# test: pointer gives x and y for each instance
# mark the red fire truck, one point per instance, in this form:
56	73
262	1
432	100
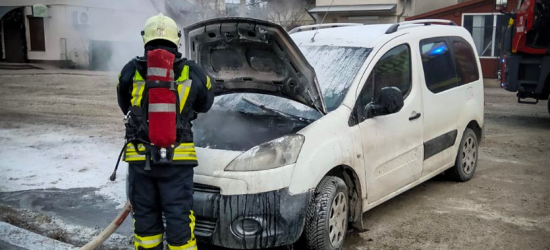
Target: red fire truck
526	51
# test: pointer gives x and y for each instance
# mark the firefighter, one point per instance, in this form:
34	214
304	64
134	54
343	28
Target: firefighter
156	189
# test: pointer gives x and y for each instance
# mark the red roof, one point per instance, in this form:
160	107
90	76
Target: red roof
447	9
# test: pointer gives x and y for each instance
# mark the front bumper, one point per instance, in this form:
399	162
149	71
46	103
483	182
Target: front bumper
250	221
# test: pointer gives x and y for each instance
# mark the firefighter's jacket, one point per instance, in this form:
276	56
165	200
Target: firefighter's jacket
195	96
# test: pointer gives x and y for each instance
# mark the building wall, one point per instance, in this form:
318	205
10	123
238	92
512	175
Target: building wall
355	2
289	14
114	26
52	29
412	8
489	67
455	14
423	6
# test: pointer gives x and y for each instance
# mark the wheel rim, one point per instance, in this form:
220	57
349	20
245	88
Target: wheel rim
338	219
469	155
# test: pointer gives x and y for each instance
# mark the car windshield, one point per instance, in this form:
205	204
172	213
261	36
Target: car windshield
336	67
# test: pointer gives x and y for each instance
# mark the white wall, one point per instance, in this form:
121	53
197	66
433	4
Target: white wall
383	19
423	6
414	7
104	24
52	30
356	2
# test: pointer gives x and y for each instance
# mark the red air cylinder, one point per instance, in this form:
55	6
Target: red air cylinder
162	101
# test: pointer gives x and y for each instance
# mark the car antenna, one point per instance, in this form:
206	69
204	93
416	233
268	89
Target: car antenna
322	21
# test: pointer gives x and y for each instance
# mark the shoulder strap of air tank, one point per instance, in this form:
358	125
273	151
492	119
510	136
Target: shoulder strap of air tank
141	75
178	65
139	65
182	75
181	71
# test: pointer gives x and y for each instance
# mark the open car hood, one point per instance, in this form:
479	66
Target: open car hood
249	55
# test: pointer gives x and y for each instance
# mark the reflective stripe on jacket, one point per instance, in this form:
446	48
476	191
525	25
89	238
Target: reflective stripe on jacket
183	152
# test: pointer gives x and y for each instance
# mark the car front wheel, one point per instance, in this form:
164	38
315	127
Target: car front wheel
327	215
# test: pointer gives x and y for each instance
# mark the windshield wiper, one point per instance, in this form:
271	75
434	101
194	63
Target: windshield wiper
278	112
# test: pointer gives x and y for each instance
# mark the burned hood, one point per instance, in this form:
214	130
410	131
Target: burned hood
246	55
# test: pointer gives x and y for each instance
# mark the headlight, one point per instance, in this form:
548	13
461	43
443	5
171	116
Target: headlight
273	154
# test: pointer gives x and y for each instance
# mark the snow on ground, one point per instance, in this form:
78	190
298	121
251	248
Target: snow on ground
36	157
29	240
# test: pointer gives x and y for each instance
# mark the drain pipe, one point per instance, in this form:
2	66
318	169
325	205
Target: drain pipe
402	11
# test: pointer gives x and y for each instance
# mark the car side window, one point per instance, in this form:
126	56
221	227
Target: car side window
439	66
466	62
393	69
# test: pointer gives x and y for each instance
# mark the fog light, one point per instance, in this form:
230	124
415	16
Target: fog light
246	226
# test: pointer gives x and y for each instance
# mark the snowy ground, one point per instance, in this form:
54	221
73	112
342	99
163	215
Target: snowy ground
61	133
60	136
38	157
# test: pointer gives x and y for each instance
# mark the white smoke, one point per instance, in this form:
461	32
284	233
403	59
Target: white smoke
101	34
112	35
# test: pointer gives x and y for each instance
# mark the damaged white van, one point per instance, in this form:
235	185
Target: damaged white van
312	129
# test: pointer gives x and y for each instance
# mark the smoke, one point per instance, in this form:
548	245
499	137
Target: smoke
105	34
110	36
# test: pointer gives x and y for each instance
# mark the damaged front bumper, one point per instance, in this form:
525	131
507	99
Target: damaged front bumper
249	221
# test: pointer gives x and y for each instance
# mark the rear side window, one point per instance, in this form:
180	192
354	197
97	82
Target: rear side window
439	66
466	62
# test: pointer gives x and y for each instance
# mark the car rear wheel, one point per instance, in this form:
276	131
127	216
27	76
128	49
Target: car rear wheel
548	104
327	215
466	160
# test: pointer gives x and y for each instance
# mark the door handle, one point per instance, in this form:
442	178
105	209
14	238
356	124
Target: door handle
414	116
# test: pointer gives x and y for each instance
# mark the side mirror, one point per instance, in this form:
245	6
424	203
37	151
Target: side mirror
501	5
390	101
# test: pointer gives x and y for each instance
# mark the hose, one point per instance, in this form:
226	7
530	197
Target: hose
113	175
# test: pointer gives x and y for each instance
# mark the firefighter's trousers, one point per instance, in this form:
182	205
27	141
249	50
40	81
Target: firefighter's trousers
164	190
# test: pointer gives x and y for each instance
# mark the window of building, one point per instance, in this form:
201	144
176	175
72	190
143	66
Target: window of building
364	19
36	31
486	29
439	67
466	62
392	70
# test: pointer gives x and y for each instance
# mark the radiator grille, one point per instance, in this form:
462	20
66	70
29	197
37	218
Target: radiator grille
204	227
206	188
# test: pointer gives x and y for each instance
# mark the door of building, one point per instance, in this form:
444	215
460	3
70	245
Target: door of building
14	36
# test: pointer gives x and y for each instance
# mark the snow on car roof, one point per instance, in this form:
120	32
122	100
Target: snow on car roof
350	36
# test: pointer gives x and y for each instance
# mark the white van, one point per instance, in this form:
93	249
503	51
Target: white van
312	129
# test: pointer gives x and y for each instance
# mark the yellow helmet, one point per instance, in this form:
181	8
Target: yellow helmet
161	27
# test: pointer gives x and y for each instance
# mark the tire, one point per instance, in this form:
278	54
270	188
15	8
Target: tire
331	201
548	104
466	159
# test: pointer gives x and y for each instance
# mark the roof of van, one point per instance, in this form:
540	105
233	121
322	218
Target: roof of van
366	36
351	36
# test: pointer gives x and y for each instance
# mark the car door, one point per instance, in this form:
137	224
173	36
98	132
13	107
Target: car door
392	143
442	103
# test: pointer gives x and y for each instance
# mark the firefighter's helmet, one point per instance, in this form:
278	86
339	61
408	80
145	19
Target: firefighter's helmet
161	27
